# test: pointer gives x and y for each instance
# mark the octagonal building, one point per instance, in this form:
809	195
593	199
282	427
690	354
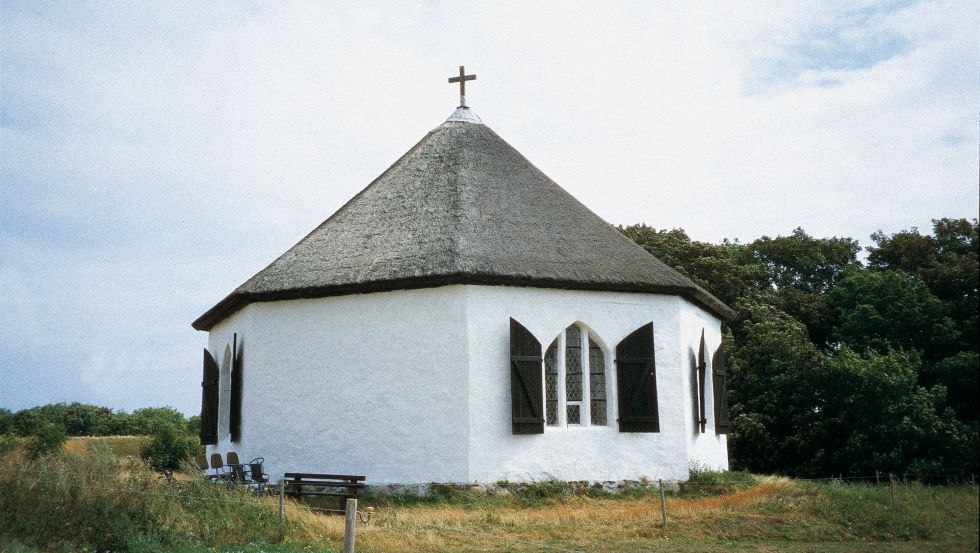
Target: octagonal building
464	319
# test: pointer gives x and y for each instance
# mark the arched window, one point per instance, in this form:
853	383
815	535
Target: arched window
224	394
575	380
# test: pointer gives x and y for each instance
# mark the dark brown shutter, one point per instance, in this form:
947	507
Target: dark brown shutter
719	378
636	379
526	395
702	368
209	401
235	418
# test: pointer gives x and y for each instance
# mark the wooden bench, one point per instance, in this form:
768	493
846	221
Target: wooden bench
342	486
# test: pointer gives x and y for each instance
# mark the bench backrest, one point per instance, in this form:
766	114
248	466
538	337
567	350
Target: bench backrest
310	476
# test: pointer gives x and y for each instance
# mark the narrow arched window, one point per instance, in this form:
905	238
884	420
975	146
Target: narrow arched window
573	375
224	394
575	379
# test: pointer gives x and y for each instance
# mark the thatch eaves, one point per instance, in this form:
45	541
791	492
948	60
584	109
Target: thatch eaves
461	207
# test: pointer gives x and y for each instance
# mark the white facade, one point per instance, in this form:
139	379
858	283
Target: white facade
413	386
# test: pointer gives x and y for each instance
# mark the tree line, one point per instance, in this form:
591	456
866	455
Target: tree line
81	419
838	367
44	429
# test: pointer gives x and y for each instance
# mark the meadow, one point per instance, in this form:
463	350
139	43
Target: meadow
94	495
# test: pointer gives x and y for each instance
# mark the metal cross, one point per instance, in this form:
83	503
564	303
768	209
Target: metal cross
461	79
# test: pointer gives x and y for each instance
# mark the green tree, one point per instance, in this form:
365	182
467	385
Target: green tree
774	394
712	267
801	270
78	419
803	262
959	375
26	422
876	416
146	421
947	261
879	310
194	425
6	421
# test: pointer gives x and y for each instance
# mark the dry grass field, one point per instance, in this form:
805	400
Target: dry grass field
774	514
121	446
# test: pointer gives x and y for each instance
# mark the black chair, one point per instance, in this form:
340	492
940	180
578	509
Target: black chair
260	478
238	475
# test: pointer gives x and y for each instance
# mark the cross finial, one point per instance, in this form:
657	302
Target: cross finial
461	79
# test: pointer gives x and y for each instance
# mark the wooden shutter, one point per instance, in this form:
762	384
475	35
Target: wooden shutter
719	378
235	418
702	368
526	395
209	401
636	379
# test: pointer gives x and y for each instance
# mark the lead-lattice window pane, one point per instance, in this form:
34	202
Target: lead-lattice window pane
551	383
598	412
597	383
573	364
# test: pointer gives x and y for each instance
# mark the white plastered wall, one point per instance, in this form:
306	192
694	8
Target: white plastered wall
413	386
576	452
360	384
708	449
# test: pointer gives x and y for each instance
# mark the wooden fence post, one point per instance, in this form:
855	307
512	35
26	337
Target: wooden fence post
282	500
891	486
877	477
349	522
663	507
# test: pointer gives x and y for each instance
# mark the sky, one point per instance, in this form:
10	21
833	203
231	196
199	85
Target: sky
155	155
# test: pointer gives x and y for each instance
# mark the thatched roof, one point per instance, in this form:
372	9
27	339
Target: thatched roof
461	207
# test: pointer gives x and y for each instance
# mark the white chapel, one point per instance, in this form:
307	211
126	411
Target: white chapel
463	319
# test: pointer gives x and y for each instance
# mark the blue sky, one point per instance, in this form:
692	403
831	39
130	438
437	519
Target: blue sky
153	156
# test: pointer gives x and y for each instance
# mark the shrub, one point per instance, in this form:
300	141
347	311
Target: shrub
48	438
170	447
6	421
704	481
8	442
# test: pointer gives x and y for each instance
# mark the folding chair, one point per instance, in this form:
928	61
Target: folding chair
202	463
